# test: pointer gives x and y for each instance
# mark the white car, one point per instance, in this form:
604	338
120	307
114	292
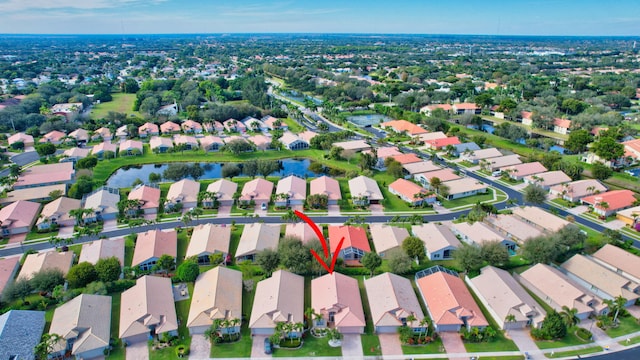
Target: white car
263	206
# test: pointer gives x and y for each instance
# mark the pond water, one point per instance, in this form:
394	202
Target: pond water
368	120
300	97
633	172
125	177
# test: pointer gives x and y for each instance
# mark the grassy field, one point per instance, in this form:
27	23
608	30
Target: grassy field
293	125
122	103
570	340
627	325
564	354
471	200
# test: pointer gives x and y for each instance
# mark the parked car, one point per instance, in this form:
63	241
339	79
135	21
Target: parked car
267	346
263	206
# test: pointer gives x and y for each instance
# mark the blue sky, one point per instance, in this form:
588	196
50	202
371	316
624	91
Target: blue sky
514	17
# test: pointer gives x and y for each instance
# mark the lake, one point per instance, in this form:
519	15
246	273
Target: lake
368	120
125	177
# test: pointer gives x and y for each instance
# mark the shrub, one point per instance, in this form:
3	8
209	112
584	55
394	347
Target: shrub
182	350
583	334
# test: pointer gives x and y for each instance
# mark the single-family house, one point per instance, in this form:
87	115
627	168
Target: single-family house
629	216
104	134
408	158
466	108
130	147
26	140
608	203
168	110
432	136
392	301
526	118
122	132
84	325
355	243
467	147
148	129
403	126
57	212
104	150
364	191
412	169
384	152
217	295
254	124
479	233
291	141
159	144
495	163
8	271
148	198
147	310
475	156
561	126
189	142
18	217
233	125
80	135
191	127
439	144
465	187
307	135
74	154
47	260
547	179
255	238
512	227
169	127
386	238
54	137
557	290
208	239
273	123
449	303
281	300
102	249
291	191
351	147
151	245
67	110
103	202
302	231
257	190
506	300
620	261
540	218
429	108
183	192
20	333
37	194
224	191
214	127
211	143
439	241
443	175
575	190
260	141
44	175
325	185
519	171
600	279
337	298
411	192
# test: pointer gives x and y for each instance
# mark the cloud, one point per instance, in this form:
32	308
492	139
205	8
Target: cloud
26	5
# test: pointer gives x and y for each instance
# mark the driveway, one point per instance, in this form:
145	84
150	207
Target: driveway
578	210
390	344
453	344
257	347
110	225
137	351
333	210
65	232
200	347
352	346
376	209
525	343
224	211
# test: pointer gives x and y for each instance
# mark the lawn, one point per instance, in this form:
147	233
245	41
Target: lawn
129	246
182	310
293	125
632	341
235	239
241	348
564	354
471	200
627	325
371	344
433	347
118	352
570	340
310	348
183	242
122	103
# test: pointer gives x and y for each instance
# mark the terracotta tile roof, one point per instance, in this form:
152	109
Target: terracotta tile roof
340	294
188	125
209	140
19	214
616	199
45	174
77	152
223	188
104	146
102	249
404	126
53	136
521	170
8	269
80	134
169	126
149	196
386	151
407	189
325	185
148	129
185	190
578	189
154	244
440	143
406	158
130	145
20	137
260	189
355	237
465	106
562	123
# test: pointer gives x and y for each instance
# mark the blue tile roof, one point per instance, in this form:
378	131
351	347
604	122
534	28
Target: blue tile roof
20	332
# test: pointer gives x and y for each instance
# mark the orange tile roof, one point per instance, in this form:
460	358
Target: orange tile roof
404	125
407	188
563	123
406	158
439	143
616	199
355	237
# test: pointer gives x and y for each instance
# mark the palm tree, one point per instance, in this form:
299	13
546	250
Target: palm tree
616	305
79	215
569	316
197	211
424	327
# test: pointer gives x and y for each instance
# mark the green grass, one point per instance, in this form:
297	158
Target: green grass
182	310
34	235
563	354
183	242
235	240
627	325
632	341
470	200
371	344
129	247
241	348
570	340
312	347
118	352
293	125
433	347
122	103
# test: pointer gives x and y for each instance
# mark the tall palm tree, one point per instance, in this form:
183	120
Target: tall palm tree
616	305
570	316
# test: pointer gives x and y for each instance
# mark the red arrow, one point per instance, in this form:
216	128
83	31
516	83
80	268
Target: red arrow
323	241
